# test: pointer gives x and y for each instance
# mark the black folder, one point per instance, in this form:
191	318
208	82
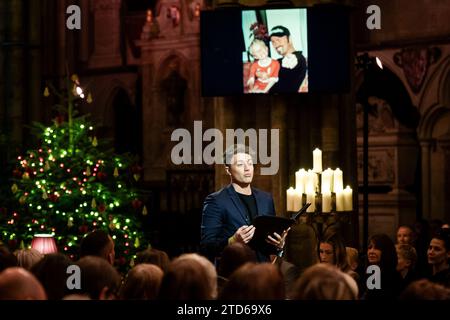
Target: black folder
267	225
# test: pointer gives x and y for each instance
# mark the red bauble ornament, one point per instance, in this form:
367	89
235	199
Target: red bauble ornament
121	261
83	229
12	244
58	120
17	173
101	208
136	169
53	197
136	203
101	175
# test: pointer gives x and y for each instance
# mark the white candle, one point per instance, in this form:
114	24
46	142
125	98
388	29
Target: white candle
290	199
348	199
297	205
327	178
311	198
300	178
316	181
310	185
326	201
317	160
337	181
340	201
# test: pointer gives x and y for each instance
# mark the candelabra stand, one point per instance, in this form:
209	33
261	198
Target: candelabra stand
321	221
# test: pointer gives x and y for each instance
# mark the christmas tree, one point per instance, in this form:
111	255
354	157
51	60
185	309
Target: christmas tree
72	183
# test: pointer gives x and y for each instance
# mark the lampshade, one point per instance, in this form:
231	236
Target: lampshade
44	243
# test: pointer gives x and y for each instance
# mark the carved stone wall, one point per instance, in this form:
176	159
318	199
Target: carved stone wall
425	74
170	64
393	159
107	33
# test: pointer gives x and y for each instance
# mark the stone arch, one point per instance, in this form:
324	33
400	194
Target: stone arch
121	119
444	88
388	85
393	164
174	88
434	133
166	60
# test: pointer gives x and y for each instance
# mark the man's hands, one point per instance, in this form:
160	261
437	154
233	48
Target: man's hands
244	234
277	240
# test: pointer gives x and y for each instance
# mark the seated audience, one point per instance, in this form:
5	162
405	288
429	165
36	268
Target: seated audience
20	284
352	258
233	256
406	263
438	257
142	282
254	282
381	252
405	235
26	258
189	277
99	279
7	259
98	243
51	271
332	250
153	256
324	281
425	290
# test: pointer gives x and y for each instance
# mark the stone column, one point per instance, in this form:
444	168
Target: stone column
440	209
62	41
223	119
15	91
35	88
348	161
84	34
106	33
3	15
425	152
278	120
330	131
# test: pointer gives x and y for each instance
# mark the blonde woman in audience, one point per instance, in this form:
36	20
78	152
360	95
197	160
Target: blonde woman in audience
26	258
352	258
406	263
189	277
142	282
153	256
254	281
324	281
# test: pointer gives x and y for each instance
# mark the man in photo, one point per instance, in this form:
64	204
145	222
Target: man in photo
293	64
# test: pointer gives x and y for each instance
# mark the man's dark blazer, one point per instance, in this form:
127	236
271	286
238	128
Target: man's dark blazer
224	213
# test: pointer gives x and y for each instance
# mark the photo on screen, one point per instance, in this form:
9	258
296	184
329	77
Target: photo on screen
275	59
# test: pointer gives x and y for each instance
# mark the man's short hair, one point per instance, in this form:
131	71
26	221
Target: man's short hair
235	149
94	244
279	31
